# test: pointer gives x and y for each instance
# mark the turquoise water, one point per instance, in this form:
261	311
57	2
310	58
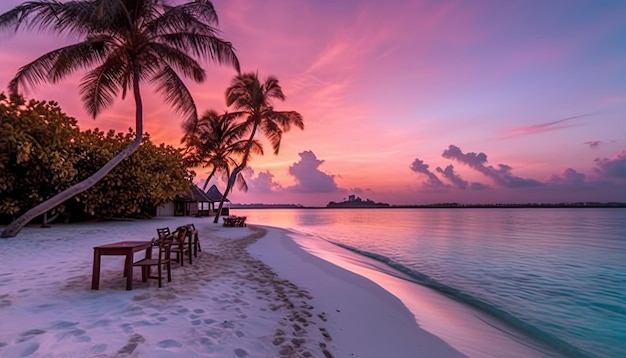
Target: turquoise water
558	275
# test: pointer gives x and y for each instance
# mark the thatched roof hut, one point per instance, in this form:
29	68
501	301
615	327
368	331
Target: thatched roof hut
198	202
214	194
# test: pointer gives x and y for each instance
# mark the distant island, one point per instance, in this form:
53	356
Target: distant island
356	202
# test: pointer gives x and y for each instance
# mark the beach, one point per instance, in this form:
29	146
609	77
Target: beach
251	292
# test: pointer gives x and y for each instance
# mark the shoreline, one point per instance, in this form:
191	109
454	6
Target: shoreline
467	329
364	319
228	303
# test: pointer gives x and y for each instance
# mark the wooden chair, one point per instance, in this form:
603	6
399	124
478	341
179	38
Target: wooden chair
195	239
241	221
180	245
162	247
163	232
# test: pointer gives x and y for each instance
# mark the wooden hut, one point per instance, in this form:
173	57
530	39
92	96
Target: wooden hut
215	196
197	203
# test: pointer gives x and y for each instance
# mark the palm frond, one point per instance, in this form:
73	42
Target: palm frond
78	56
178	60
272	89
100	86
175	92
273	133
34	72
51	15
241	182
286	119
206	46
200	9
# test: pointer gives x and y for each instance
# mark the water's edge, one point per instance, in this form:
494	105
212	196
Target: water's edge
533	332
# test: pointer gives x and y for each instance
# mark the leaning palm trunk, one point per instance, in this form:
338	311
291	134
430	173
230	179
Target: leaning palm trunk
209	178
14	227
236	171
229	187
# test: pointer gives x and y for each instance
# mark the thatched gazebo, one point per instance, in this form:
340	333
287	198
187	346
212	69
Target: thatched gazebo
198	203
215	196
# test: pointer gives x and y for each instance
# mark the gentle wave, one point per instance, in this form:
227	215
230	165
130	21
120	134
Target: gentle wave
562	271
420	278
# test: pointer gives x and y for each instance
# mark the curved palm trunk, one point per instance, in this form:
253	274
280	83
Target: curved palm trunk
233	175
209	178
14	227
229	187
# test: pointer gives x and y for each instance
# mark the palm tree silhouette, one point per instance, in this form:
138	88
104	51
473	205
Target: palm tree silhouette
124	43
216	142
253	102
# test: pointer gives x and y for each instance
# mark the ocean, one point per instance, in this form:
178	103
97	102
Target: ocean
552	279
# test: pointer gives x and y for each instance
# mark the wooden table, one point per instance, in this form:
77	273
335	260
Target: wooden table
127	248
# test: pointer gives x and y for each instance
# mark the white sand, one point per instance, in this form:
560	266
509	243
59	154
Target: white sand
251	292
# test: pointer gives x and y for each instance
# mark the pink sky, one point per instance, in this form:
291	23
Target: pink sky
411	102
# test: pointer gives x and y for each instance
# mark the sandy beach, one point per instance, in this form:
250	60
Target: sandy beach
251	292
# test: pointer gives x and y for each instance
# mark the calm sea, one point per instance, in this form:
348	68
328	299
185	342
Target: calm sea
557	275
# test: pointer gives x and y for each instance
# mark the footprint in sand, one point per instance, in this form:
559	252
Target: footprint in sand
30	334
101	323
239	352
127	327
63	324
322	316
132	344
169	343
98	348
78	333
5	303
141	297
325	333
30	349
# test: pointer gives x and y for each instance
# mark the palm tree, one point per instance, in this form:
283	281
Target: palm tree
215	142
253	101
124	42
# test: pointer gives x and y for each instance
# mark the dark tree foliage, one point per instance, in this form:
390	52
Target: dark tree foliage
152	176
36	142
42	151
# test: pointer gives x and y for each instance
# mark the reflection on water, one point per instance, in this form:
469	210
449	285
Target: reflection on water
561	272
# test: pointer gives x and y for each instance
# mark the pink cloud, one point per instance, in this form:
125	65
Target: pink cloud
542	127
502	175
593	143
567	176
432	181
614	167
457	181
262	183
309	179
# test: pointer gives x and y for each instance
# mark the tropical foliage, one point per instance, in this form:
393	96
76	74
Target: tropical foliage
36	139
123	43
216	143
152	176
43	151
